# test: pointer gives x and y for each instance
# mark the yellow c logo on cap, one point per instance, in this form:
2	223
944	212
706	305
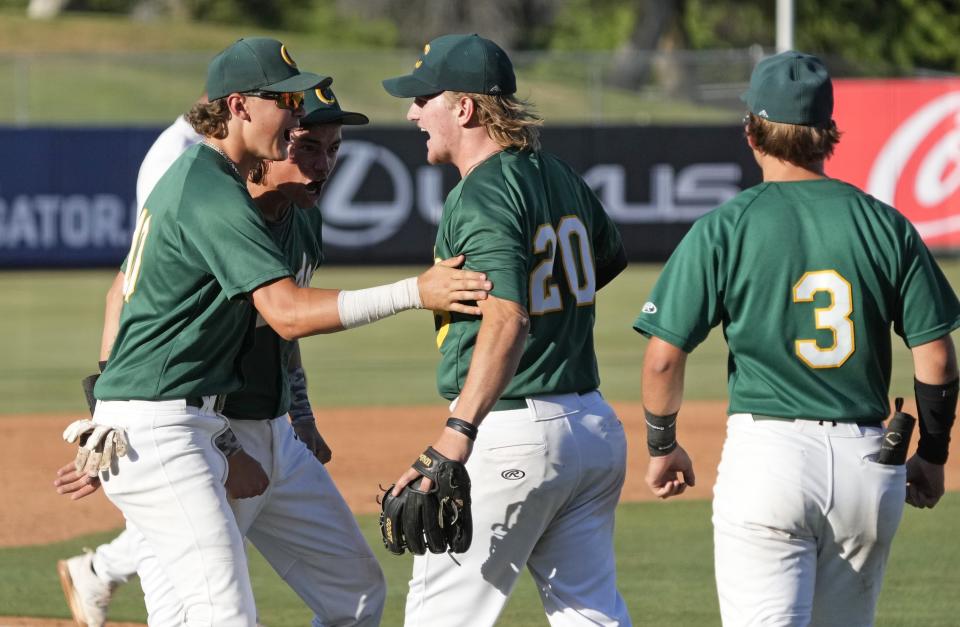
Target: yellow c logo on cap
426	51
286	56
323	97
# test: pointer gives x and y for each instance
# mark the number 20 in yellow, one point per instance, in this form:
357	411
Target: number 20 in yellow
835	318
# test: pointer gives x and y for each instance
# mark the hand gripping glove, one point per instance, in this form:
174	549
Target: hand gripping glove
438	519
100	445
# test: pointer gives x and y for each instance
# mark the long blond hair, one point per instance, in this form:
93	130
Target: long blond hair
510	121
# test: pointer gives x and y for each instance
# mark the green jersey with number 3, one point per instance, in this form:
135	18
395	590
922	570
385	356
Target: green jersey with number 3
200	246
266	393
807	279
537	230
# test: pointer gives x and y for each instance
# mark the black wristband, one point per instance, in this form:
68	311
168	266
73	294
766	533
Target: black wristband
937	408
102	364
661	433
464	427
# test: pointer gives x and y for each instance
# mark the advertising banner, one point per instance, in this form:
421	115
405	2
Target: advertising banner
67	196
901	144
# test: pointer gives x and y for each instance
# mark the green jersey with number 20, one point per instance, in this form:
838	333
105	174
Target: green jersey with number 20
533	226
200	246
806	278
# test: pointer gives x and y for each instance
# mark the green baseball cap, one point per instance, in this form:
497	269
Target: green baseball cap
791	87
257	64
467	63
320	106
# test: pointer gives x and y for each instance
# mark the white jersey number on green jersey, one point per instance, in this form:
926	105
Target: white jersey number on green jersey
835	318
577	261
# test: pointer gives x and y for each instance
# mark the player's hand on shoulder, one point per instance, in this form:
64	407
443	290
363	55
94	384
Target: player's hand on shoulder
925	483
669	475
245	478
307	433
74	483
448	287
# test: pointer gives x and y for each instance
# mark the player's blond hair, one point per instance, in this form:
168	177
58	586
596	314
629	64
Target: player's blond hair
210	118
804	146
510	121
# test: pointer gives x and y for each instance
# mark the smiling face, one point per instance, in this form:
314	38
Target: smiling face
312	156
438	119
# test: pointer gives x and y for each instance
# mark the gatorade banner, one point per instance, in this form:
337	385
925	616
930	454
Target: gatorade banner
901	144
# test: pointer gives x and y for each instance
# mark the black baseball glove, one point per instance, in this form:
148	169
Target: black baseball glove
437	519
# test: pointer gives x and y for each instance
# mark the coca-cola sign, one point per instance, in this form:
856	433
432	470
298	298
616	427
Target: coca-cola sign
901	143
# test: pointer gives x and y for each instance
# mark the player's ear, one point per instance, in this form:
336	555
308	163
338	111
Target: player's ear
465	108
237	104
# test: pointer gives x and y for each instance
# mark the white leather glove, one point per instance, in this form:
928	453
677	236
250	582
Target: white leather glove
100	445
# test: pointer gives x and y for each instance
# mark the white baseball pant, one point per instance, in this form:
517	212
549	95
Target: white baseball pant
170	488
803	520
546	480
116	561
304	529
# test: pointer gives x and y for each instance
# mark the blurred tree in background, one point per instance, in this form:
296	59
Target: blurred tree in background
868	36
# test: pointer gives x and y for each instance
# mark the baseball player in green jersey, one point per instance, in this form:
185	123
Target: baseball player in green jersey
807	274
301	524
548	460
201	254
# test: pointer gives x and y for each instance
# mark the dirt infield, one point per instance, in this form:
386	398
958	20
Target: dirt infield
370	447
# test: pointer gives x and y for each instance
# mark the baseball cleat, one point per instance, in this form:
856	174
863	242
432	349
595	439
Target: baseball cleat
87	596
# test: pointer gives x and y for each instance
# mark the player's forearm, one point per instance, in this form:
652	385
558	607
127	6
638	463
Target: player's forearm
936	389
295	312
496	356
111	316
663	372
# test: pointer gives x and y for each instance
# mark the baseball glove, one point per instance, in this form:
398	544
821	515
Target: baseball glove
100	445
437	519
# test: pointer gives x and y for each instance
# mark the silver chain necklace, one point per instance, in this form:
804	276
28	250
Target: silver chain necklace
229	161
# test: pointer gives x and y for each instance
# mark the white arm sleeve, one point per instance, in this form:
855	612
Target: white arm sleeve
360	307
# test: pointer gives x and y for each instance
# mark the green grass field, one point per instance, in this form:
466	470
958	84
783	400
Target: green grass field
664	549
54	321
664	559
121	71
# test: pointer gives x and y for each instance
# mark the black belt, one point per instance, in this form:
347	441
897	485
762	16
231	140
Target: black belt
859	423
197	401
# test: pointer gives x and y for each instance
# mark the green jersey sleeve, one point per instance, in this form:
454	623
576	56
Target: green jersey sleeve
487	228
928	308
233	243
687	300
606	239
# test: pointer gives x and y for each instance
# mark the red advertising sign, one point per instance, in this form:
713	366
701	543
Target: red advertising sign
901	144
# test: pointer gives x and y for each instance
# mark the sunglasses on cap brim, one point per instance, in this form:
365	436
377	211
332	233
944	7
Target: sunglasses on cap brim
292	100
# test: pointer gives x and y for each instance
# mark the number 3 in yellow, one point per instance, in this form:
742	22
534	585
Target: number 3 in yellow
836	318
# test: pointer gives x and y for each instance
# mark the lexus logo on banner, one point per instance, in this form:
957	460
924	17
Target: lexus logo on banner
901	144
